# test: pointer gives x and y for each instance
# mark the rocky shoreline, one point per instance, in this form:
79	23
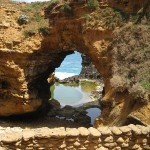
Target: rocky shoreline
57	116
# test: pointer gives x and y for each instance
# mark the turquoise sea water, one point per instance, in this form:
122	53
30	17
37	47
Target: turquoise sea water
70	66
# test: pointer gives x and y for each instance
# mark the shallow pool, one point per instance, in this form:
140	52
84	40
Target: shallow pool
75	94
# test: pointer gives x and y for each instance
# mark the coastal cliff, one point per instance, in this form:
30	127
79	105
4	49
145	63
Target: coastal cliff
105	32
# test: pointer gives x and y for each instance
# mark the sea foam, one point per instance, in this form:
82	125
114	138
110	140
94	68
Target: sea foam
63	75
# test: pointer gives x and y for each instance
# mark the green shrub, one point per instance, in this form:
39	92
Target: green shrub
145	84
92	4
67	9
44	31
37	17
88	17
52	4
29	33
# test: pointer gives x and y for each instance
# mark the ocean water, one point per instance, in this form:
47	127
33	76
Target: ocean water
93	113
70	66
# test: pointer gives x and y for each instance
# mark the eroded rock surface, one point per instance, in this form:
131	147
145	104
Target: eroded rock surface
114	46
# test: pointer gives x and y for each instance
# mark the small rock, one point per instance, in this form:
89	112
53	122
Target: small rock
54	104
110	145
62	146
76	144
135	129
116	131
72	132
135	146
144	141
144	130
5	24
120	140
102	148
94	132
125	129
28	134
83	131
58	132
109	139
42	132
11	137
105	131
124	145
117	148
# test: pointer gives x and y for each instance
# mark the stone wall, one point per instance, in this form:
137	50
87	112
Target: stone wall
104	138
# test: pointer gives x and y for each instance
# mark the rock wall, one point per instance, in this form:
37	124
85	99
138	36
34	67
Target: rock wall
99	35
129	137
88	69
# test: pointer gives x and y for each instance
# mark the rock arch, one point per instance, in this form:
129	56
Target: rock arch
27	68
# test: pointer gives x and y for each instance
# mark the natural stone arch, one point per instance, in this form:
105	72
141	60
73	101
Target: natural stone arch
26	70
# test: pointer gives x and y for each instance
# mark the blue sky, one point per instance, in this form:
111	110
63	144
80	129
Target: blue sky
30	0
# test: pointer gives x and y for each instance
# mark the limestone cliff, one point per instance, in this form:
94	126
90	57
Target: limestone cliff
114	43
118	48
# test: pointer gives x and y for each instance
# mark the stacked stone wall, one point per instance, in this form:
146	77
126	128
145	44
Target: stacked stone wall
104	138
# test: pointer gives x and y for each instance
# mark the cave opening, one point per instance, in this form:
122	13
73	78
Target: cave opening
76	91
4	85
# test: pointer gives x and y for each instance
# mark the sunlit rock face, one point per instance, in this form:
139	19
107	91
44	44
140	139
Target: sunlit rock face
25	67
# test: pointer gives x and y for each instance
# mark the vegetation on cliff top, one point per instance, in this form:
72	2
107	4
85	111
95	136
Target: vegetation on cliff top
35	13
131	48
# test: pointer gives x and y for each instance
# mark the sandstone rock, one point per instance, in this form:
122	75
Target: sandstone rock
54	104
116	131
86	142
144	130
135	146
120	140
135	129
58	132
144	141
146	147
124	145
83	131
28	134
117	148
11	137
105	131
109	139
125	130
110	145
37	61
102	148
76	144
62	146
5	24
73	132
94	132
42	132
3	148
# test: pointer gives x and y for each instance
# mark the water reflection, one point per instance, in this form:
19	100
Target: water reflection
73	94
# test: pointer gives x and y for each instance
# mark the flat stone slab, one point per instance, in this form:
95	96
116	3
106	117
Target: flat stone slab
83	131
94	132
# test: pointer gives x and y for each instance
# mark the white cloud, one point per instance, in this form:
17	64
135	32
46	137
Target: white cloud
28	1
